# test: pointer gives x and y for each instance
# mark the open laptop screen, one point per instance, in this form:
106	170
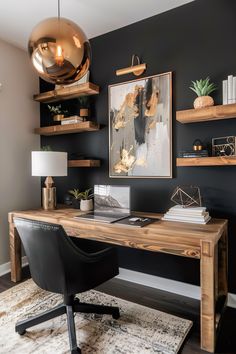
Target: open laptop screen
111	199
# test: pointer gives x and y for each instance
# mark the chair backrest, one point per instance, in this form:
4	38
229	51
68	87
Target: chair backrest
55	262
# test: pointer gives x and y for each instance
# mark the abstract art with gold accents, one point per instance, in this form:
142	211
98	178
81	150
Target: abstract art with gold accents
140	128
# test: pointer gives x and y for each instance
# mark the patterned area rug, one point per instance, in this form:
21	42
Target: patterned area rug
140	330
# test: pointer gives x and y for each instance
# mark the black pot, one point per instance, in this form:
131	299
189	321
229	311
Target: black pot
76	203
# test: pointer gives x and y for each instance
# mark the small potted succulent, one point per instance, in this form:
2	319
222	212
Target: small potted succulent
86	203
203	88
57	112
82	200
76	197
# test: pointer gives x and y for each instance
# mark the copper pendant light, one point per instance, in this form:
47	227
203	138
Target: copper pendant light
59	50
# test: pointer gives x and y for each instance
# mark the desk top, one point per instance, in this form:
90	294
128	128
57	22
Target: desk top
182	239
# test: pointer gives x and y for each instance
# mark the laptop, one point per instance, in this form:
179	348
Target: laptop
111	203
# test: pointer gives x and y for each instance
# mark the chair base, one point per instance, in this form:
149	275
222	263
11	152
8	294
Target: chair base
69	310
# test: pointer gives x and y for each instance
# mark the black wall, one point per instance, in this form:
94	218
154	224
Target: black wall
193	41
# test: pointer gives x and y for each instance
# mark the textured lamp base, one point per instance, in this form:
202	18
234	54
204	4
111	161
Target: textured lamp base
49	198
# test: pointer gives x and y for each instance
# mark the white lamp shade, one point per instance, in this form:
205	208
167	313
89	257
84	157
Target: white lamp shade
49	163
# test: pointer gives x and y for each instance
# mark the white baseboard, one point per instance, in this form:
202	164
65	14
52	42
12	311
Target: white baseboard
171	286
152	281
6	267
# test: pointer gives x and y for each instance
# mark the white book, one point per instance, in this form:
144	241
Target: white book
190	218
234	90
180	209
191	215
189	221
71	121
230	89
225	91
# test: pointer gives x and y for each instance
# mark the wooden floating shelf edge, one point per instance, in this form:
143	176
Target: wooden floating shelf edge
206	161
84	163
68	128
207	114
66	93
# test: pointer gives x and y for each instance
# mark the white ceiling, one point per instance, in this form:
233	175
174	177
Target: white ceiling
96	17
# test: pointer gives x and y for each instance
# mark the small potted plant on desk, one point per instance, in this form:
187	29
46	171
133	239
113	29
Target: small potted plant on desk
82	200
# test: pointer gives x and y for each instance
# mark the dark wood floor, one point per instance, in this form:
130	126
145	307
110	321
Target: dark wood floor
167	302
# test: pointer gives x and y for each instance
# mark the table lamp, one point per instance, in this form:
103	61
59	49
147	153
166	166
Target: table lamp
49	164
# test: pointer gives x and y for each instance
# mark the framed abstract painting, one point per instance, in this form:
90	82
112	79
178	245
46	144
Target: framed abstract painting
140	128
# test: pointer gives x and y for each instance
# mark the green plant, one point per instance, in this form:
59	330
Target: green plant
56	110
81	195
203	87
84	101
75	193
46	148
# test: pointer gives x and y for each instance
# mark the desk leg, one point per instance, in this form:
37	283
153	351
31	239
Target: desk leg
223	264
15	253
208	316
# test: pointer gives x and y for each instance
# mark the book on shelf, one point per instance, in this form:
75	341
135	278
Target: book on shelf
71	120
225	91
229	90
192	153
196	215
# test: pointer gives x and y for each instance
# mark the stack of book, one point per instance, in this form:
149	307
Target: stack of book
229	90
194	215
193	153
71	120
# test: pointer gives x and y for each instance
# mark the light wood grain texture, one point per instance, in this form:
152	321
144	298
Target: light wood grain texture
15	253
84	163
67	93
206	161
208	315
181	239
87	126
206	114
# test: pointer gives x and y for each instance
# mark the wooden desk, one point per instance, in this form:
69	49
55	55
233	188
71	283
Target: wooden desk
205	242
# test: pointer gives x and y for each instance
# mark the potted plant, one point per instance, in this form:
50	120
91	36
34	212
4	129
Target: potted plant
203	88
76	197
57	112
84	107
86	203
82	200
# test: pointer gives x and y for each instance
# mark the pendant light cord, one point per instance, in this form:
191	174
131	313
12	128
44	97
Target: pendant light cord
58	10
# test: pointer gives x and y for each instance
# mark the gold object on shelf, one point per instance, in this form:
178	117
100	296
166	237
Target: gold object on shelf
58	117
137	70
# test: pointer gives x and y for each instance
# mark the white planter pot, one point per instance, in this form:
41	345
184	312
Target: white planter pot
86	205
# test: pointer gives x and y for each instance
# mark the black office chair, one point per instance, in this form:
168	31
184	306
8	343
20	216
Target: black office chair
58	266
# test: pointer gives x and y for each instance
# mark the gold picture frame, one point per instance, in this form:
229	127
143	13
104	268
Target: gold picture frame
140	128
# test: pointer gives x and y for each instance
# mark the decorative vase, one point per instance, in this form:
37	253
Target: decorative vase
76	203
58	117
86	205
203	101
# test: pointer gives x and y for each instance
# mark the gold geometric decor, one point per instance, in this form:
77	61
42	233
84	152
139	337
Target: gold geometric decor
187	196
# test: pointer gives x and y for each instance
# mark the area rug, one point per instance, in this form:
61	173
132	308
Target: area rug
140	330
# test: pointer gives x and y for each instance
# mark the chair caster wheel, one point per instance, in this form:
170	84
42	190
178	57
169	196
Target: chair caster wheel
76	351
22	332
116	315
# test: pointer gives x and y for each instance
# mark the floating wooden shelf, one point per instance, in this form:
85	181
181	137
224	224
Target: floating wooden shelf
87	126
207	161
206	114
67	93
84	163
